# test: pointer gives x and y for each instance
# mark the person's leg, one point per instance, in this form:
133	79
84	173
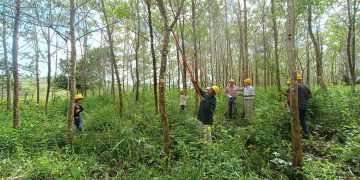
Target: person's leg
250	106
181	109
230	109
302	113
76	123
80	125
207	133
247	109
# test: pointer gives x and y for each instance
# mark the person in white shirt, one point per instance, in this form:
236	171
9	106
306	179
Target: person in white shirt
231	93
249	95
183	101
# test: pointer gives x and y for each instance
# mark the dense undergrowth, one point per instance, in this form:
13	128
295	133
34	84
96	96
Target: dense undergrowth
131	147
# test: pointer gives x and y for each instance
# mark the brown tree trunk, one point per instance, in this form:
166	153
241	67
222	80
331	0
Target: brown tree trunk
37	68
350	43
182	26
241	44
6	63
164	52
264	46
137	46
193	24
15	49
48	42
148	4
112	57
318	56
290	45
307	60
276	50
72	75
246	50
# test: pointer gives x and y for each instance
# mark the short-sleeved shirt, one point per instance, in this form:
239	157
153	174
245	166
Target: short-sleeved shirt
232	90
249	91
304	95
77	114
183	100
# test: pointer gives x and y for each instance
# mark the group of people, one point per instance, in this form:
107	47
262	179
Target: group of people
205	113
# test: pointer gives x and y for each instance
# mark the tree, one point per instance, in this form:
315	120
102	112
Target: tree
352	8
148	5
112	56
137	46
72	75
295	122
15	49
246	49
6	62
194	33
164	54
276	50
318	54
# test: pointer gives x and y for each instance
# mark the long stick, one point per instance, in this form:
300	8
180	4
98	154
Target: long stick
185	61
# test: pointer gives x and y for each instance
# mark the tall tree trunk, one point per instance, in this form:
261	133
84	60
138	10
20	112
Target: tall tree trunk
264	45
246	49
241	44
148	4
194	33
164	52
15	49
290	45
112	57
137	46
276	50
72	75
350	43
48	43
307	60
182	28
6	63
318	56
37	52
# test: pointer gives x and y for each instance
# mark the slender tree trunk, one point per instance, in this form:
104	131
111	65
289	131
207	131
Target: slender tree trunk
350	43
164	53
72	75
276	50
137	52
307	59
182	26
37	68
48	42
264	46
246	50
241	44
15	49
196	71
6	63
290	45
319	69
56	65
148	4
112	57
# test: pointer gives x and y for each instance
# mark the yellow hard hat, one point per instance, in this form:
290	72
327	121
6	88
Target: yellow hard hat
182	90
78	96
288	81
231	81
248	81
216	89
298	76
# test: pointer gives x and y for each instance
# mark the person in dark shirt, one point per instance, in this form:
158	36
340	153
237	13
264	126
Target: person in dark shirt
304	94
77	111
206	110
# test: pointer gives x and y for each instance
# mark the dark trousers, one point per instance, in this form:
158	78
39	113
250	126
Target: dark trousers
302	114
182	109
232	108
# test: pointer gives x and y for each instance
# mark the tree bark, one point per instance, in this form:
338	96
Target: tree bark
37	68
15	49
72	75
112	57
246	49
318	56
290	45
137	46
194	36
350	41
182	26
276	50
48	42
6	63
148	4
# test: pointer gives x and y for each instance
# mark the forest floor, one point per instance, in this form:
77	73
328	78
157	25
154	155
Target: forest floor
132	148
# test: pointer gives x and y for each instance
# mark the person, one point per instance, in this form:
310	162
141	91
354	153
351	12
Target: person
249	95
231	93
304	94
206	110
77	111
287	94
183	100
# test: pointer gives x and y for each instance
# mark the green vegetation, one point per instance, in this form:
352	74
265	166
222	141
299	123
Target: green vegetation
132	147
